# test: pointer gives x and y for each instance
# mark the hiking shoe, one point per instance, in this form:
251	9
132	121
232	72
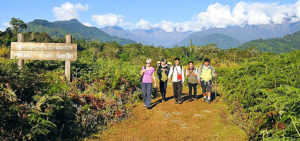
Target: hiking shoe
192	99
149	108
145	105
176	102
180	102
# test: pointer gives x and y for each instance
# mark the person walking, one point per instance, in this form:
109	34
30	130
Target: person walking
192	74
163	72
147	74
205	75
177	74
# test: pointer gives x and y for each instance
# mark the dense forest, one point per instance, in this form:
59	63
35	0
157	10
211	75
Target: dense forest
37	103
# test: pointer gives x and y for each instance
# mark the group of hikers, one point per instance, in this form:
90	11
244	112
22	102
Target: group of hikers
175	73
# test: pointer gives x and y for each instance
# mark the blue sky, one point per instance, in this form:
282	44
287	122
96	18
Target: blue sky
181	15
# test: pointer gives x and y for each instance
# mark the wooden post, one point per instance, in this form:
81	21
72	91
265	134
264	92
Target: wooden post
68	62
20	37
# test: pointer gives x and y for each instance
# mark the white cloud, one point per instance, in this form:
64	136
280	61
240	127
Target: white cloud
68	11
110	20
4	26
143	25
217	15
86	24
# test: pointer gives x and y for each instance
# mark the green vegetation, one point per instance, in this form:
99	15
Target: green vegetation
286	44
265	94
37	103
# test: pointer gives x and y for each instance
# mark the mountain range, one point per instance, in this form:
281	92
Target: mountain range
224	38
59	29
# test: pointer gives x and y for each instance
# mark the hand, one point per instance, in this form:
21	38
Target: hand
143	70
182	82
191	70
169	80
199	81
215	74
154	85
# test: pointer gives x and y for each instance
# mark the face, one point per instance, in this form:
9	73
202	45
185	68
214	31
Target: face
191	65
206	63
148	64
163	63
177	62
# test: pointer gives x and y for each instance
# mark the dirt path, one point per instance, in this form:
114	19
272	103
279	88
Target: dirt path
194	120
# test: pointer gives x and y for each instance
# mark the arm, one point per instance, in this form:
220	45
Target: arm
159	70
195	73
199	73
187	73
213	71
182	75
142	71
170	74
153	76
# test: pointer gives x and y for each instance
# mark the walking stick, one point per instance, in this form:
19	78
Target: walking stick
216	88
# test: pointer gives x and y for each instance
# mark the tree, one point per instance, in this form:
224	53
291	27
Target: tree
17	24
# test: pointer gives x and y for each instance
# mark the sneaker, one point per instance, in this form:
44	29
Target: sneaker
145	105
191	99
149	108
180	102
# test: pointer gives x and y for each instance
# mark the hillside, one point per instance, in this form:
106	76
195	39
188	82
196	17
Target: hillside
288	43
59	29
222	41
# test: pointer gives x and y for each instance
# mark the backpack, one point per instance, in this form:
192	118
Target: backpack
164	76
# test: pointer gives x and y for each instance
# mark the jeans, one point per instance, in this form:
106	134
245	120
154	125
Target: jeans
177	88
163	88
147	91
191	87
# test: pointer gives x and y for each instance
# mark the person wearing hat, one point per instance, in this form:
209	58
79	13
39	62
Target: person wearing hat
163	72
205	75
147	74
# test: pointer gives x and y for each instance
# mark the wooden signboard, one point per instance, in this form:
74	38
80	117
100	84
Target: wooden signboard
44	51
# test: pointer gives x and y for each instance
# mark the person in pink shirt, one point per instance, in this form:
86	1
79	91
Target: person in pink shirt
147	74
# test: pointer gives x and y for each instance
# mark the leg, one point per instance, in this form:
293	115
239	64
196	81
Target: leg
179	90
161	87
209	89
149	92
190	89
165	89
144	89
175	90
203	88
195	90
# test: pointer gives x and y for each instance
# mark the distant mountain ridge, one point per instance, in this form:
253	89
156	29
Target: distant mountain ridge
222	41
288	43
59	29
246	33
154	36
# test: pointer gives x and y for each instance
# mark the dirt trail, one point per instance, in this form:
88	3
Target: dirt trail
194	120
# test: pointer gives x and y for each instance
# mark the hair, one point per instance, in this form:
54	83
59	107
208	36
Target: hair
177	59
207	60
148	60
163	60
191	62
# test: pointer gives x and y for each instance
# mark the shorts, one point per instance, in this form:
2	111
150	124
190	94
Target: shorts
206	86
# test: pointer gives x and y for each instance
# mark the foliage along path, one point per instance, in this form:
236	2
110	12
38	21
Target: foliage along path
194	120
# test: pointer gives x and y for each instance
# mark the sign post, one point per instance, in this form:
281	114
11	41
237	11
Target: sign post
20	37
44	51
